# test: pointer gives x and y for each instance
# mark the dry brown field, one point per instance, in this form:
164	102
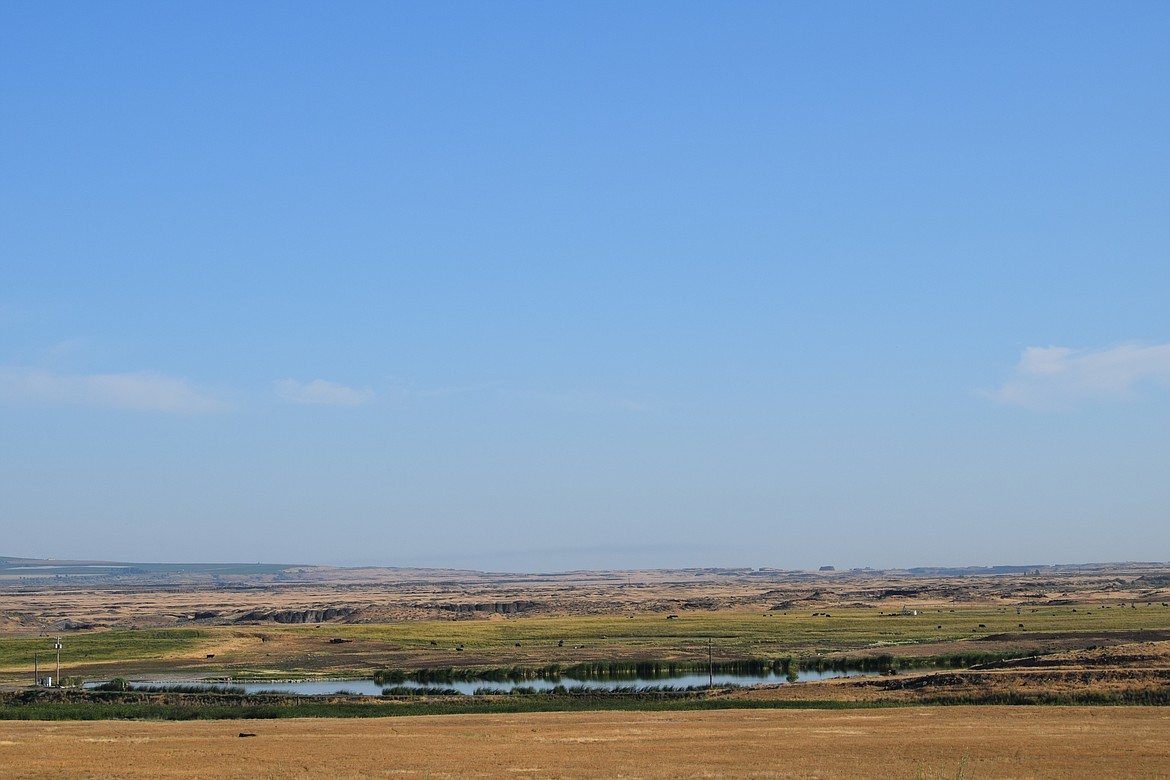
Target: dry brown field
1103	631
375	595
928	742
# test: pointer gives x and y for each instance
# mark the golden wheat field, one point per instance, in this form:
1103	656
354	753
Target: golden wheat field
920	742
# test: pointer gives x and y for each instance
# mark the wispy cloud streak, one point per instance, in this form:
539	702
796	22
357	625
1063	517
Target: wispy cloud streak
1060	377
139	391
321	392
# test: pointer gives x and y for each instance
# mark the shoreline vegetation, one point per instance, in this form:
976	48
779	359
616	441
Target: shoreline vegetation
75	704
942	680
787	666
427	679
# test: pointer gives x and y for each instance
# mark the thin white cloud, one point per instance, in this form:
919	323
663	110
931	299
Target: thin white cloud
1059	377
321	392
140	391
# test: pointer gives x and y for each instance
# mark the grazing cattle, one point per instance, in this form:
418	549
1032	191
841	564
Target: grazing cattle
211	655
982	626
672	617
246	734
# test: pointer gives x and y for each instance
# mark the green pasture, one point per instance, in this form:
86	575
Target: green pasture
16	652
737	635
752	634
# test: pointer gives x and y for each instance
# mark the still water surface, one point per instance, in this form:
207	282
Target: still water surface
370	688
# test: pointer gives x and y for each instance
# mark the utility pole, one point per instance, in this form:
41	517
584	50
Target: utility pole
36	669
58	648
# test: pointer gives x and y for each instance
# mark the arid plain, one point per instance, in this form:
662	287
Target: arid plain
934	742
1095	634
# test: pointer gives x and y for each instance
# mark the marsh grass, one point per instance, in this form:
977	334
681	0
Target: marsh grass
585	690
593	670
420	690
205	707
154	705
226	690
665	670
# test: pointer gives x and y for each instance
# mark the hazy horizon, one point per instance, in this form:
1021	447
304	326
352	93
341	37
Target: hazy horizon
537	570
600	285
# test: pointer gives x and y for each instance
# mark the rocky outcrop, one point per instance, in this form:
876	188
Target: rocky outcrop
494	607
323	615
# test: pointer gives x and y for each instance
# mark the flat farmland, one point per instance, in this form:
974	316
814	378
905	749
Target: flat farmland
341	649
914	742
1092	634
307	622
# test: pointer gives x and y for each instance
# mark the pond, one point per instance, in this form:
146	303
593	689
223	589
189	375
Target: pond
368	687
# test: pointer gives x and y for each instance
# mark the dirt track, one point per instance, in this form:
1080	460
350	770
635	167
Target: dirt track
973	743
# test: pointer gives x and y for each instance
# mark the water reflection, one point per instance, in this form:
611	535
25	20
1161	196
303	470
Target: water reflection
370	688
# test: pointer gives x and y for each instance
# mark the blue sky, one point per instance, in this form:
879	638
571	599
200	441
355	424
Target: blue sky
539	286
